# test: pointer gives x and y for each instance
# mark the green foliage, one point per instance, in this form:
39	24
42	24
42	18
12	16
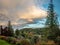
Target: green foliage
17	32
57	40
9	39
35	39
36	31
52	22
25	42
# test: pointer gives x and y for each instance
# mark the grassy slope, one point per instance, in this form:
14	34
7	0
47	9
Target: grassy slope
2	42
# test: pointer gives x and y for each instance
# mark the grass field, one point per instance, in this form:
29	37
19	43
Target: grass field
2	42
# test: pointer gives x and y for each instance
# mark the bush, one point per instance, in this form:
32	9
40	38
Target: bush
50	42
9	39
3	37
57	40
14	41
24	42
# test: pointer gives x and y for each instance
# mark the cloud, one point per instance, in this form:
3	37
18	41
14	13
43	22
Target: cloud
21	12
3	15
31	13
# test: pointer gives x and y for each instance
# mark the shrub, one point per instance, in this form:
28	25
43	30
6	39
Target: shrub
3	37
24	42
57	40
9	39
14	41
50	42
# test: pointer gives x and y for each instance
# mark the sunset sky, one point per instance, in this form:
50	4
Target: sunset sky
26	13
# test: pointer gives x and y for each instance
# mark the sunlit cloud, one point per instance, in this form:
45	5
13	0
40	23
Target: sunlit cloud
33	12
21	12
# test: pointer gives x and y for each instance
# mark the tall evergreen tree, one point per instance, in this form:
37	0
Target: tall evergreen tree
10	29
52	21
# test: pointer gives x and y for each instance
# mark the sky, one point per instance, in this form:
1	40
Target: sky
26	13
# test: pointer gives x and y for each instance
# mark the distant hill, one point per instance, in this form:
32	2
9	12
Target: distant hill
36	30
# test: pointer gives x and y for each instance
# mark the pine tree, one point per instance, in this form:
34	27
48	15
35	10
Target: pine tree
10	29
52	22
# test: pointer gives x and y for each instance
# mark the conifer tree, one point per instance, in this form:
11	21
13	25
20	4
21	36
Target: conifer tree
10	29
52	22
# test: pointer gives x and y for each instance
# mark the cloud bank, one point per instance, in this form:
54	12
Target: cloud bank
21	12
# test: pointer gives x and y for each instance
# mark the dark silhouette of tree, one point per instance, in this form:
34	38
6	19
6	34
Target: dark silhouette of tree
6	31
52	22
2	30
10	29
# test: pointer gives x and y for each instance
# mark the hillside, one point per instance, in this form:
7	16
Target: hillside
2	42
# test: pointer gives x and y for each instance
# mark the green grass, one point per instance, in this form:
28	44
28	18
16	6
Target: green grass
2	42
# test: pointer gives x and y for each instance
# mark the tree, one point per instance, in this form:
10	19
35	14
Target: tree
52	22
17	32
1	30
10	29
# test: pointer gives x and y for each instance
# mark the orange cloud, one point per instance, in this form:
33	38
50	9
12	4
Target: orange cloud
21	9
2	24
32	12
